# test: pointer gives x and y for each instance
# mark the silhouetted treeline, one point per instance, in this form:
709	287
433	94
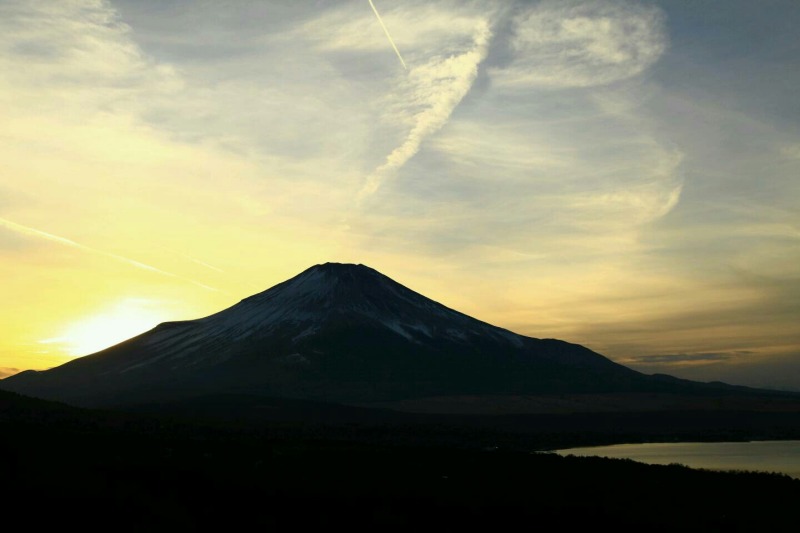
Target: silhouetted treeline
93	470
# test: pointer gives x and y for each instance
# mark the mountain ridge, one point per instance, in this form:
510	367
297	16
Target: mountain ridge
335	332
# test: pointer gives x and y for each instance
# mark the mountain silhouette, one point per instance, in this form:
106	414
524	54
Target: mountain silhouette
335	332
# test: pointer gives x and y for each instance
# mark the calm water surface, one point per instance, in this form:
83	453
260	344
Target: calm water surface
764	456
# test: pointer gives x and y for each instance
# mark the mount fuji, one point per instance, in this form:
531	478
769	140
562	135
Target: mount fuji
339	333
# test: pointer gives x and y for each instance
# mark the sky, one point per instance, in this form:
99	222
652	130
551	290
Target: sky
619	174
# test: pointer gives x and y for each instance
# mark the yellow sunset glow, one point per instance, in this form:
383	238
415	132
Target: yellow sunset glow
107	328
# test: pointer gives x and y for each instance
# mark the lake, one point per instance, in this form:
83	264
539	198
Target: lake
763	456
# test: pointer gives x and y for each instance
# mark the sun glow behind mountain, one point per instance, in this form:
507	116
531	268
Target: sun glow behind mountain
108	327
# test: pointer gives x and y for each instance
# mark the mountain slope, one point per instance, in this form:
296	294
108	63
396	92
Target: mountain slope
336	332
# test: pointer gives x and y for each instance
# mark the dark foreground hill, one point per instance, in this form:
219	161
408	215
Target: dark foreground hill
340	333
65	467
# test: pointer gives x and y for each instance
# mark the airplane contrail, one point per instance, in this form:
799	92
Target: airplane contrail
26	230
203	264
386	31
192	259
444	84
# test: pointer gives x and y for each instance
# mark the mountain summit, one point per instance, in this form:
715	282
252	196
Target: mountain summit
335	332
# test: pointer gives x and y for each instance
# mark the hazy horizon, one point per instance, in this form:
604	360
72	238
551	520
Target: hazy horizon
618	174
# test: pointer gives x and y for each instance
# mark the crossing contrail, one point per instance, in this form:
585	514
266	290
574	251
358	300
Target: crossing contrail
441	84
391	41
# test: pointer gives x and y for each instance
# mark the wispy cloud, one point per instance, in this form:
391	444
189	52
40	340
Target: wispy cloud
77	53
566	43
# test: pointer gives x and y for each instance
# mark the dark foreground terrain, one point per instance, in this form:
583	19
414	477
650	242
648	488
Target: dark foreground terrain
95	470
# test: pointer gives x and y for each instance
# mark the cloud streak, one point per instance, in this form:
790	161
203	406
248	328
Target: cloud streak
689	358
33	232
